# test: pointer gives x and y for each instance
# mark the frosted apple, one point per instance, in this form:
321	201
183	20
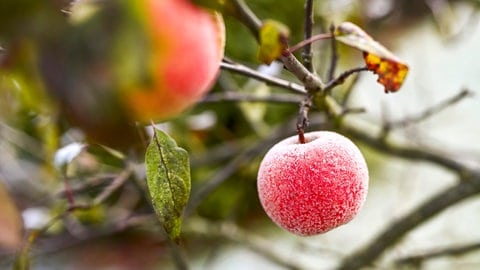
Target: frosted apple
313	187
186	45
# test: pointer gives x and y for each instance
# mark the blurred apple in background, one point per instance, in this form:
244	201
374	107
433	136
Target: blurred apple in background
186	50
117	63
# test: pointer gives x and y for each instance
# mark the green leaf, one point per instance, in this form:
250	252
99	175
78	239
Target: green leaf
168	180
273	41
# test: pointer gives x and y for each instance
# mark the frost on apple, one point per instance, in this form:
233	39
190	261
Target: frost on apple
314	187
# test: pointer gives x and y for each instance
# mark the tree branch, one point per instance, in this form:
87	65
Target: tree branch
334	52
232	232
270	80
429	111
247	17
231	96
470	186
424	153
312	83
448	251
342	77
308	30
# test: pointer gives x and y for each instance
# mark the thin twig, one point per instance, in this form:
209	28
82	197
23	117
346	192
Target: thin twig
307	42
429	111
68	190
346	111
247	17
348	92
176	253
35	234
448	251
231	96
118	182
86	184
342	77
334	54
423	153
308	30
22	141
73	206
270	80
470	186
232	232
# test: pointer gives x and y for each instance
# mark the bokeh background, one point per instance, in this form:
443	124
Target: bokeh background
439	40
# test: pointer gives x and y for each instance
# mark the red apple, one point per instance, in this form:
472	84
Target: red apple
187	48
313	187
111	64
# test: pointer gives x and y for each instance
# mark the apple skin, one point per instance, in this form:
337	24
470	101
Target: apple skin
187	46
311	188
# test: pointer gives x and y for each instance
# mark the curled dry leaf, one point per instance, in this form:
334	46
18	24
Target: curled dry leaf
390	69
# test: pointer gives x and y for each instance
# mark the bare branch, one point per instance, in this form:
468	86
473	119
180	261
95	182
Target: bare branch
308	30
87	184
424	153
470	186
349	90
308	42
270	80
231	96
118	182
312	83
448	251
430	111
334	52
247	17
176	253
231	232
342	77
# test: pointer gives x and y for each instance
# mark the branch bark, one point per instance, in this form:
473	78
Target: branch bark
467	188
308	30
268	79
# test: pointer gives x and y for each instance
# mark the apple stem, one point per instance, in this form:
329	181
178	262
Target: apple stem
301	136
